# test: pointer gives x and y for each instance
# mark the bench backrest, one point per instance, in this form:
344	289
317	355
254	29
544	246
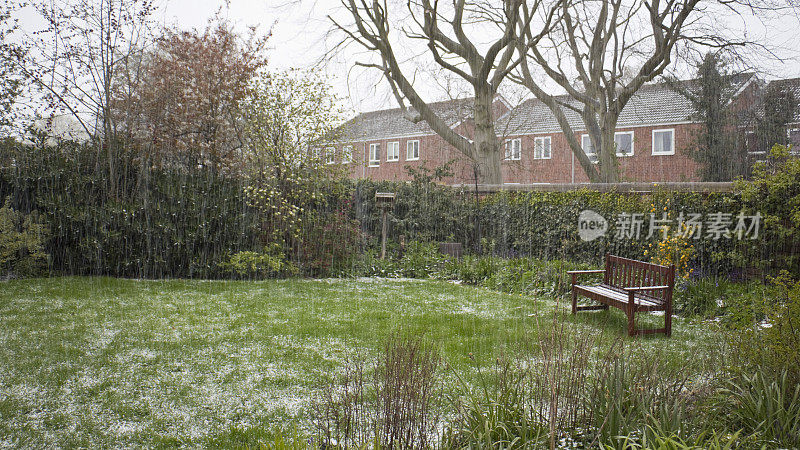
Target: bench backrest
623	272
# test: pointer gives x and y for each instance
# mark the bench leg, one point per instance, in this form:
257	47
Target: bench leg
574	302
668	322
631	323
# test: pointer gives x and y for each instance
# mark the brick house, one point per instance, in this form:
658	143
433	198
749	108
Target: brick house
380	145
653	133
793	127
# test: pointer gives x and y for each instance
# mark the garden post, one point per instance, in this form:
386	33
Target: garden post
384	232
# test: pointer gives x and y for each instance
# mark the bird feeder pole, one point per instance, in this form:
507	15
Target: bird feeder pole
384	201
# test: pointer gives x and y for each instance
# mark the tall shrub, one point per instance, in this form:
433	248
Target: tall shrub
774	193
157	223
294	180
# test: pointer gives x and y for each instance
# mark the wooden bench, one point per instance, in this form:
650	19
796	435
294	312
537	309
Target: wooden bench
632	286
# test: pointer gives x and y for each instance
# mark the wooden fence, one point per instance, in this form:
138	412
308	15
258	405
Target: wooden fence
639	187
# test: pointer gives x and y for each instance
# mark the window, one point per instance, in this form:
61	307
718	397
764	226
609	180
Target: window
624	143
374	155
330	155
412	150
750	141
588	148
794	138
541	148
664	142
393	151
347	154
514	149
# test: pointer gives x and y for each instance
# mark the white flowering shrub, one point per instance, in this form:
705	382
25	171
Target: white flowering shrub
290	120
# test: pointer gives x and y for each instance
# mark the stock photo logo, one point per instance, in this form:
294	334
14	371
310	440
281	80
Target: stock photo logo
712	226
591	225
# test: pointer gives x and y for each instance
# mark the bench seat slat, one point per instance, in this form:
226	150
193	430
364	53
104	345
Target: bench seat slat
621	297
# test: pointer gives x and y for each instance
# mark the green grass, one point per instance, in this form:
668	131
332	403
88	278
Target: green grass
107	362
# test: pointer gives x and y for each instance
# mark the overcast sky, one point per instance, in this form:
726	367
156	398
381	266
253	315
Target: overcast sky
299	30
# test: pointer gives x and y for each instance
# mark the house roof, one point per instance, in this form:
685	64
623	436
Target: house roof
653	104
792	85
389	123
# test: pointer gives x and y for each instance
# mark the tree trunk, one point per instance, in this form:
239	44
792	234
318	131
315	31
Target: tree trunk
487	149
608	156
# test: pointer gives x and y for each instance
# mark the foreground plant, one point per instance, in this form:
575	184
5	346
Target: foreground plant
392	406
767	408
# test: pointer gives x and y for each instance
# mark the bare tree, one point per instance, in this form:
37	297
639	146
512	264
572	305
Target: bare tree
449	32
601	53
11	57
75	58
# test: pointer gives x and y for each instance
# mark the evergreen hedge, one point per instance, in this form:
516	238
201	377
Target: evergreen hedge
155	222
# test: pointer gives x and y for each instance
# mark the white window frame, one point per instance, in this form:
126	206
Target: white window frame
347	154
409	146
510	149
392	157
374	162
631	134
592	156
672	141
543	139
330	155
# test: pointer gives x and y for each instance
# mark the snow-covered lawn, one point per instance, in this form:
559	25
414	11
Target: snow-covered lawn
103	362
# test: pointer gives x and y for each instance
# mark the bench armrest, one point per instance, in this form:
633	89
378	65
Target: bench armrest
574	273
645	288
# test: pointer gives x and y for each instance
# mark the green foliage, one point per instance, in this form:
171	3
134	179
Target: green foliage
155	223
717	295
523	275
301	196
256	265
476	269
628	397
656	439
496	414
421	260
774	192
765	331
543	225
780	107
767	408
22	238
423	211
330	242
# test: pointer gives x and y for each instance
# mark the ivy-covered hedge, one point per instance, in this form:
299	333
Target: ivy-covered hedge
143	223
544	225
149	222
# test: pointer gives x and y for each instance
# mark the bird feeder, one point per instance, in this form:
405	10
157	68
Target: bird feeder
384	201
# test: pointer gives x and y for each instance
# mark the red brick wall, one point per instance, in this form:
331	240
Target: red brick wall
434	152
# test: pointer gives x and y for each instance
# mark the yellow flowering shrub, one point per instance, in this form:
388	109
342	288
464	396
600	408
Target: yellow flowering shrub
672	247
